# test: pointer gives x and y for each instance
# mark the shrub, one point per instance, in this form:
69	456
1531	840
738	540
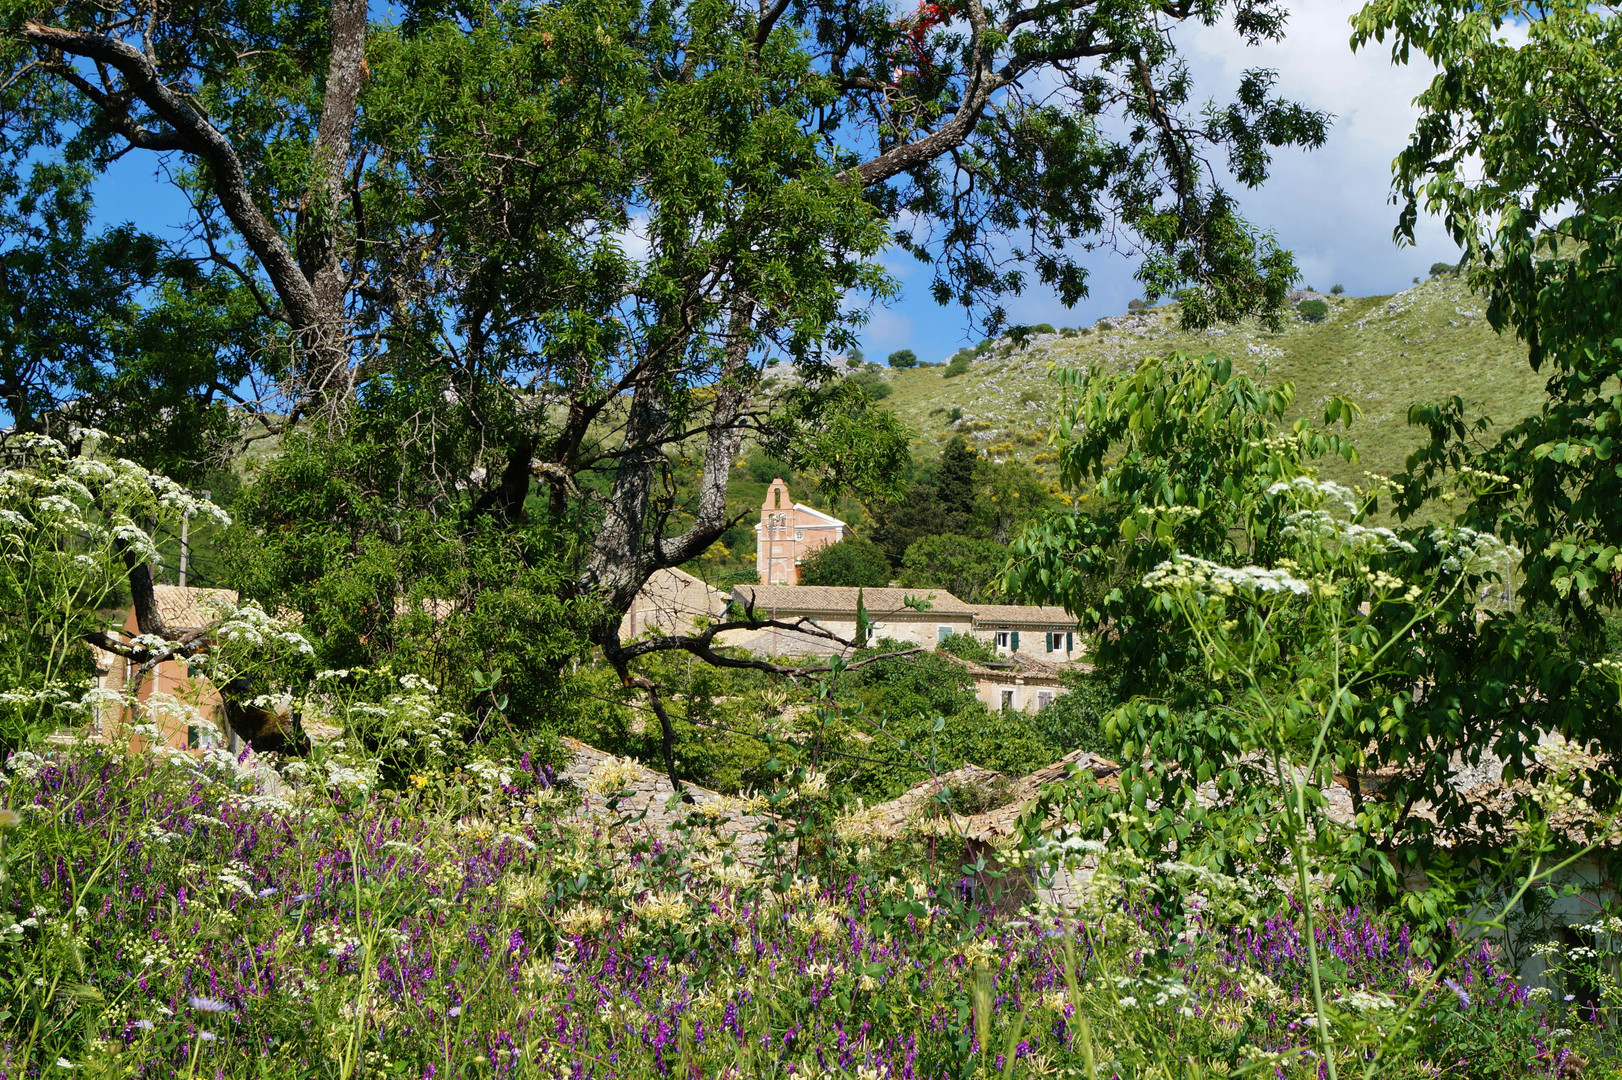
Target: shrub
1336	290
954	414
1313	310
853	562
872	384
967	647
1442	269
958	366
903	358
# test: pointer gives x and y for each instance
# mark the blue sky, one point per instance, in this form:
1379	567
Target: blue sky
1331	206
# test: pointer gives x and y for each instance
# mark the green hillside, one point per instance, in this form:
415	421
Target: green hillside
1383	352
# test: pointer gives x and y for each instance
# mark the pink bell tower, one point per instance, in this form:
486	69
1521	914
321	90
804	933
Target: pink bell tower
789	531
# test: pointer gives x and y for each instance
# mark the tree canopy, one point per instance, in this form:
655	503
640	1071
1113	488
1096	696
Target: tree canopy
546	270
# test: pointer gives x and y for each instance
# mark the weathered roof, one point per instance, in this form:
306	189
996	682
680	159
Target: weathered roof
1025	615
895	816
840	600
186	608
772	641
1022	667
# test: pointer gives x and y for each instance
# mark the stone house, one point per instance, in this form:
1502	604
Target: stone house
1045	632
789	531
184	610
833	608
672	602
1019	684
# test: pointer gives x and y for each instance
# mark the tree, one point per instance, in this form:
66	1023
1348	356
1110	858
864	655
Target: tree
955	479
969	569
469	292
1007	495
903	358
1540	236
852	562
1174	457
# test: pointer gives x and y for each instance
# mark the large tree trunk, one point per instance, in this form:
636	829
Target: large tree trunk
628	548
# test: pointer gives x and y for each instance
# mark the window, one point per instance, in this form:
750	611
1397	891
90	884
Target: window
1044	698
1069	642
1007	701
942	633
1050	639
1002	639
1014	641
777	496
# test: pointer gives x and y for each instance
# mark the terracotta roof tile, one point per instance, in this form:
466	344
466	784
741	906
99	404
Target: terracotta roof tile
185	608
839	600
1024	615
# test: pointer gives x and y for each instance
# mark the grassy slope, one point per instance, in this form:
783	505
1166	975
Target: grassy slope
1383	352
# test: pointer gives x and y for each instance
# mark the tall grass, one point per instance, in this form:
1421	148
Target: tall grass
165	919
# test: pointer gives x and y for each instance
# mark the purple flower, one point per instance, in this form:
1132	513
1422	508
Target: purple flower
303	896
1458	992
208	1004
267	892
454	1010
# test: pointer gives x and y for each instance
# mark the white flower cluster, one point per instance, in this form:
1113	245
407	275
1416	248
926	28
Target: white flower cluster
1470	552
1316	492
406	722
1184	573
1349	537
250	625
25	763
493	775
234	877
349	776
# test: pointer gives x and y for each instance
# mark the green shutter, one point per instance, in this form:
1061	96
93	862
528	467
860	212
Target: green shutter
1069	642
1015	641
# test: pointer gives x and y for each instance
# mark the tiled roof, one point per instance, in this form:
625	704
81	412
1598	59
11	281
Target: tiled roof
184	608
672	599
839	600
774	642
1024	614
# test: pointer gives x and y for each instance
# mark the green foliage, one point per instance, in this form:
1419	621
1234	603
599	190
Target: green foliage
1313	310
903	358
958	365
1076	719
1177	456
1337	290
1542	239
852	562
969	569
378	578
968	647
874	385
924	718
941	501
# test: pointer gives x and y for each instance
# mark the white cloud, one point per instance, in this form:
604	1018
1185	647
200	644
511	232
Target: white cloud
1331	206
